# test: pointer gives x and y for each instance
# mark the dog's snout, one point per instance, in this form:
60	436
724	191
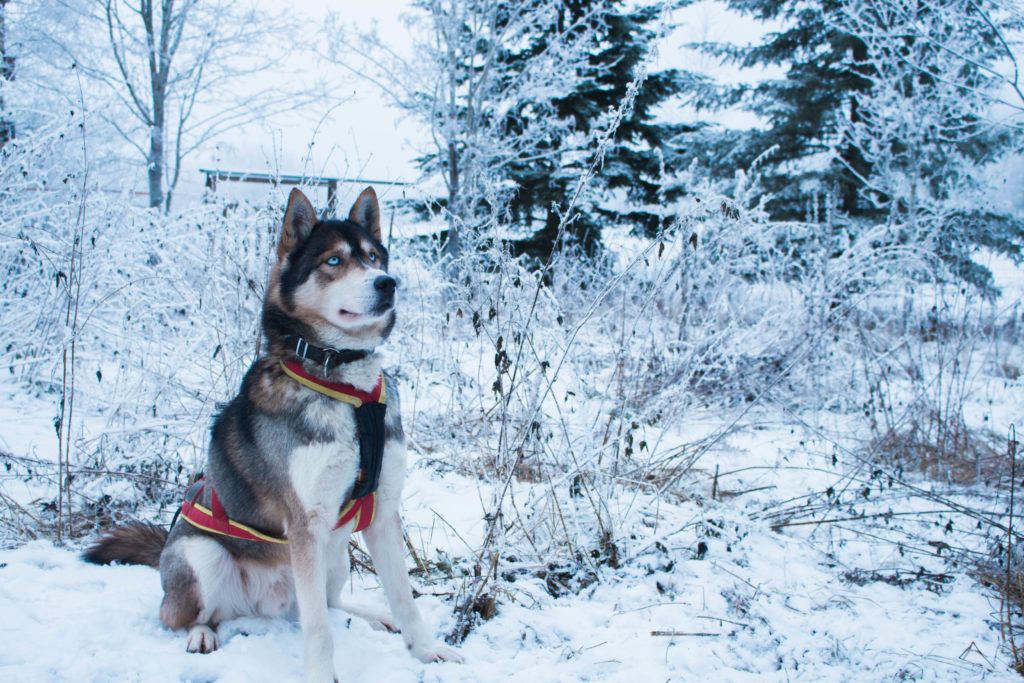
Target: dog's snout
385	284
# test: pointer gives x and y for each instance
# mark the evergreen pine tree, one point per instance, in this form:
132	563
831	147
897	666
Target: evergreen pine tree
829	76
802	110
625	34
926	125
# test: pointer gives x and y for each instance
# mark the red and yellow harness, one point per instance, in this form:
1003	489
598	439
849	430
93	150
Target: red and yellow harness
360	509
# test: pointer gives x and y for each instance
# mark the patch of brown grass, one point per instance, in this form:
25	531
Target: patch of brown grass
946	450
1007	578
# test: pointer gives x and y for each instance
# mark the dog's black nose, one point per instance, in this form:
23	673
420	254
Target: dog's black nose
385	284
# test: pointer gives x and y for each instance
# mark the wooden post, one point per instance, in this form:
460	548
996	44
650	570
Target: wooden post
332	197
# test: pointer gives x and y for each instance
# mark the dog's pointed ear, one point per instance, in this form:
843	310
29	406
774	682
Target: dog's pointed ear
299	219
366	212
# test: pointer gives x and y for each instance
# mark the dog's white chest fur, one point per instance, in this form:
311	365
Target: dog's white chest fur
323	471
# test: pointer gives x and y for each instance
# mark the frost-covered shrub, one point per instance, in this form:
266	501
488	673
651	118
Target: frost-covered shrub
138	322
561	390
556	386
923	361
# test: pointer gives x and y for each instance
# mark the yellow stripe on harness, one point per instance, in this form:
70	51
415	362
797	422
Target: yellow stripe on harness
340	392
361	511
234	529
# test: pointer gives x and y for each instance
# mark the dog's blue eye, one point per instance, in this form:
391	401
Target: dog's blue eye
334	261
373	257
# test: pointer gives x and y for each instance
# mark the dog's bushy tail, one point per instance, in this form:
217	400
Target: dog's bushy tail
131	544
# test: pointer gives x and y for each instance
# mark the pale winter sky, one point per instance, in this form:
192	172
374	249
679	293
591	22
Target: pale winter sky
362	136
354	133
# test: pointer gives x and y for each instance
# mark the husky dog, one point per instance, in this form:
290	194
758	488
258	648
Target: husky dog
285	455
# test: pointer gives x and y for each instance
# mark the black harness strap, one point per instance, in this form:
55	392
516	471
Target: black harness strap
370	431
191	493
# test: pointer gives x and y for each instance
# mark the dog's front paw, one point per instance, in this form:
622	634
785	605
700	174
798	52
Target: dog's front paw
201	638
436	652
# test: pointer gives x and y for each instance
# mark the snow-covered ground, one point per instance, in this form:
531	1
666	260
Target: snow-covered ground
707	591
782	554
64	620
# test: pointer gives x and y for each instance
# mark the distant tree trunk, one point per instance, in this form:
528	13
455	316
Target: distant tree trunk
160	55
453	245
850	185
162	35
6	71
156	166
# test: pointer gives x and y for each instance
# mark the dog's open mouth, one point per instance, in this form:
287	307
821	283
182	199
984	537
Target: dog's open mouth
350	315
